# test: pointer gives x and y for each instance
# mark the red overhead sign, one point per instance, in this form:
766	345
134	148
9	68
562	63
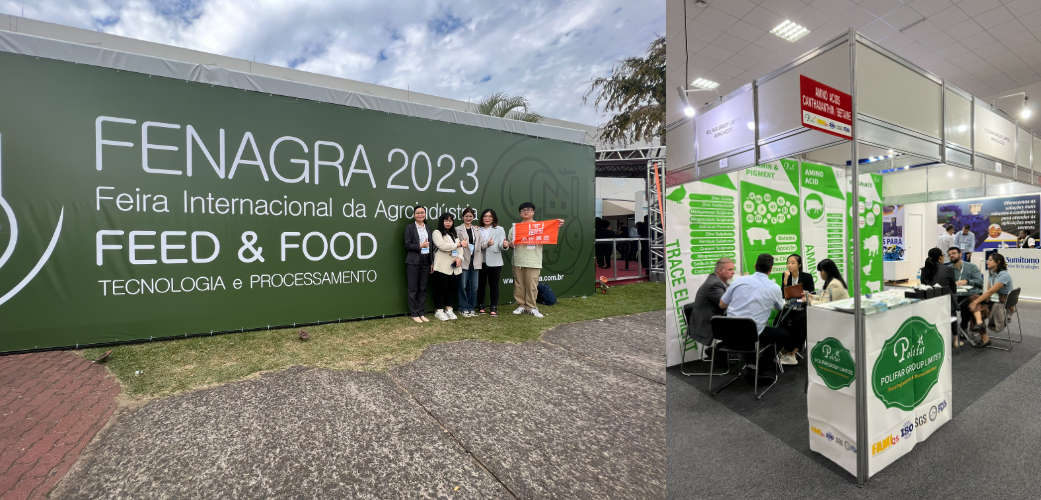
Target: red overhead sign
825	108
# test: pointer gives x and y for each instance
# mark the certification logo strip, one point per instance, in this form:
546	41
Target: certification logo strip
909	365
833	363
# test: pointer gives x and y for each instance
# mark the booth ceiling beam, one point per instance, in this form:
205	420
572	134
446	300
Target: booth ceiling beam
628	163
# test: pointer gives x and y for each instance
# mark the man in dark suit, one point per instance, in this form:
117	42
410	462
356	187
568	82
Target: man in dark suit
706	302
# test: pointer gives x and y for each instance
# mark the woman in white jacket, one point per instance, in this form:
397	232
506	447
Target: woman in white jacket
444	277
491	267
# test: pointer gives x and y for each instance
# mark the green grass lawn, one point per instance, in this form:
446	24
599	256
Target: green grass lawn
172	366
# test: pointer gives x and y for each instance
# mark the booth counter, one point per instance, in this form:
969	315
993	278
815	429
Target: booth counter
1024	265
909	368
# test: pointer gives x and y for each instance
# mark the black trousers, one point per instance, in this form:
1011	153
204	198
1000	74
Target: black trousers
417	288
488	278
795	324
444	287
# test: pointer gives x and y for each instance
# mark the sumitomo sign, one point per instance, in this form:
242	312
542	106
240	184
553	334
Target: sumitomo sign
135	206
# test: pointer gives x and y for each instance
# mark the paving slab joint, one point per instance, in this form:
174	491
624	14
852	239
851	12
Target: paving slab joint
599	362
452	435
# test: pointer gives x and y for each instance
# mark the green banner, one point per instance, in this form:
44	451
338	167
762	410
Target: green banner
136	207
833	363
770	213
908	365
868	214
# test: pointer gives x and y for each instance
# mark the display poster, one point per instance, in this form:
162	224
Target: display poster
823	232
701	226
893	232
770	214
136	206
868	214
995	221
825	108
726	127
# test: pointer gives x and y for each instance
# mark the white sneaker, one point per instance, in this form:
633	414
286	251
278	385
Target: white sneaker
518	310
536	313
468	314
440	314
788	359
450	314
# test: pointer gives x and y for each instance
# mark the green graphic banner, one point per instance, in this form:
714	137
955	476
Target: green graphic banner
908	365
823	218
833	363
867	213
134	207
770	213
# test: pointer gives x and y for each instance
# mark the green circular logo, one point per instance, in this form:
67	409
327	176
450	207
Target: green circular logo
834	363
813	205
909	364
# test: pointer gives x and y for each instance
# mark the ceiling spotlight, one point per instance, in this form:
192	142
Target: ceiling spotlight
790	31
751	125
702	83
687	108
963	128
890	151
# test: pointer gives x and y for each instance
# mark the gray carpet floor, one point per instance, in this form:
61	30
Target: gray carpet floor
991	450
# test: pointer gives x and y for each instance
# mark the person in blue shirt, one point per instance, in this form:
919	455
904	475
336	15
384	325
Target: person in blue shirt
1002	285
966	243
755	296
965	274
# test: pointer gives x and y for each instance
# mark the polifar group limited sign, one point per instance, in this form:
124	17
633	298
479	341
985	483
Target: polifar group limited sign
137	207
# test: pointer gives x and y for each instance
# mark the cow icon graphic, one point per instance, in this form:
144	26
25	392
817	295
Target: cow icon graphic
6	212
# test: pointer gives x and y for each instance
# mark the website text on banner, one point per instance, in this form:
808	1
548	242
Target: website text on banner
536	233
825	108
174	208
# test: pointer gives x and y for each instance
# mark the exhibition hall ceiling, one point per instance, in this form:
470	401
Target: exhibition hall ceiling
983	46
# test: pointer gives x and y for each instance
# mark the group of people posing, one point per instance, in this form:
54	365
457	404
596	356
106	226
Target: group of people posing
757	295
463	260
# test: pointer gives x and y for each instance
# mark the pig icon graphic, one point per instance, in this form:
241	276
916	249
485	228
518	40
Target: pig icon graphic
758	233
871	245
874	286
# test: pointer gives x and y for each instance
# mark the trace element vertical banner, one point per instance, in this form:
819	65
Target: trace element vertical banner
169	208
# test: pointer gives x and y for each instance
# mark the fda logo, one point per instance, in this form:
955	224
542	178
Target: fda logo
932	413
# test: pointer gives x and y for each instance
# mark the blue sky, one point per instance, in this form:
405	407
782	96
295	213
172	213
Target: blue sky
547	50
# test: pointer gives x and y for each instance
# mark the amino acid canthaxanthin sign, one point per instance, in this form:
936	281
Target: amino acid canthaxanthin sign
137	206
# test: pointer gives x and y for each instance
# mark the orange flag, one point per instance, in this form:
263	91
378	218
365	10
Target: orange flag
536	233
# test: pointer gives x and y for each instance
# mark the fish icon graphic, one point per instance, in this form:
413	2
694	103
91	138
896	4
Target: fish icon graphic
8	219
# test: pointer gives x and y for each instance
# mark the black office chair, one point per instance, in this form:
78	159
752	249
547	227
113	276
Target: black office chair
687	310
1010	302
735	334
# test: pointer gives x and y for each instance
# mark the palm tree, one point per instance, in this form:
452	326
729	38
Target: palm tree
514	107
635	90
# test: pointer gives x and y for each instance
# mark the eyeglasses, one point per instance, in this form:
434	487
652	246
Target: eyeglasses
528	210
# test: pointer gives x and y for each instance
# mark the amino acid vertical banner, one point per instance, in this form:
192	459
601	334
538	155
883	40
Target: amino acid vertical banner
770	213
701	226
823	222
869	216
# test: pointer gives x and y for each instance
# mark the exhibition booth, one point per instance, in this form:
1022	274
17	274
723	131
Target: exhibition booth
851	153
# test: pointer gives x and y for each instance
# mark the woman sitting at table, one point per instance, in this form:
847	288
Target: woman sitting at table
935	273
834	286
795	320
1001	284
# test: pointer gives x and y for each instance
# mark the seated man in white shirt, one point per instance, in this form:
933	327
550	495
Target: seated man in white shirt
755	296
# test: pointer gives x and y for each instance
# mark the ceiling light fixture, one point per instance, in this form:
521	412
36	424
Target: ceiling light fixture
1025	112
790	31
704	84
687	108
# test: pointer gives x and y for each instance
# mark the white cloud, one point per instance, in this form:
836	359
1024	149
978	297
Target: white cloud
546	50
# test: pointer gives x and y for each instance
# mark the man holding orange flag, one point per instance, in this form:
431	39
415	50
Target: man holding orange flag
527	239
